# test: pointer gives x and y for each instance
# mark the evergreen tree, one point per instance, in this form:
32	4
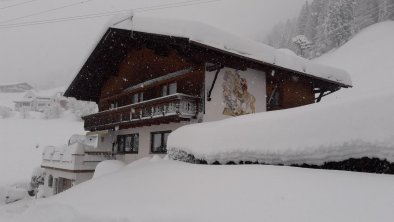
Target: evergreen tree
330	23
303	19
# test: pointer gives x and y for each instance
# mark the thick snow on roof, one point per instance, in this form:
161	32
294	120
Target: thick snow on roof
13	83
210	36
314	134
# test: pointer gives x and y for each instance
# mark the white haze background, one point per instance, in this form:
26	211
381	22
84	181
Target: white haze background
50	55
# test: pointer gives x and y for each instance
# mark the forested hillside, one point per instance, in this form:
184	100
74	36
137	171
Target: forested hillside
326	24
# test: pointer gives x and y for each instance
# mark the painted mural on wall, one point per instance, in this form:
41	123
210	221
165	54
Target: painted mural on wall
237	99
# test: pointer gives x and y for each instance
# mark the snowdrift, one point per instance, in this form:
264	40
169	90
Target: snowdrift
313	134
168	191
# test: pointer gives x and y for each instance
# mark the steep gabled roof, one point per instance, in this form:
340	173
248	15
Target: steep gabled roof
120	37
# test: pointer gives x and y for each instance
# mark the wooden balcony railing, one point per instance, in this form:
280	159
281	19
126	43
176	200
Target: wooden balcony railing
170	108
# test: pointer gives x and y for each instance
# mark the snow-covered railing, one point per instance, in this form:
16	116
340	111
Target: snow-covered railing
176	105
73	157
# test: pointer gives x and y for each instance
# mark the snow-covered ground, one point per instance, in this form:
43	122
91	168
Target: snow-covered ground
169	191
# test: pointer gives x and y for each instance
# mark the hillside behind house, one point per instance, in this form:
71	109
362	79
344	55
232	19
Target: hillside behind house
323	25
368	57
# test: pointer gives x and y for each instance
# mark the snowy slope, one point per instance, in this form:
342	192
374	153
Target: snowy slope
368	57
169	191
22	142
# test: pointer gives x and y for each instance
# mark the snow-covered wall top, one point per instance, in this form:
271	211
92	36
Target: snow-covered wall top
313	134
207	35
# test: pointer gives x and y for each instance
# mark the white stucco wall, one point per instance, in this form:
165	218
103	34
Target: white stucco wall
77	178
144	149
256	87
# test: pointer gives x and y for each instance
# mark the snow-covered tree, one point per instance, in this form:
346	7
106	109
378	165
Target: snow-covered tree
81	108
24	113
53	111
330	23
5	112
37	179
303	43
340	22
302	20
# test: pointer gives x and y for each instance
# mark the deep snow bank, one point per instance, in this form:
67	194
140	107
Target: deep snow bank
169	191
313	134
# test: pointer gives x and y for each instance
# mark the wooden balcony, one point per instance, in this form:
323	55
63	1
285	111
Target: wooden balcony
173	108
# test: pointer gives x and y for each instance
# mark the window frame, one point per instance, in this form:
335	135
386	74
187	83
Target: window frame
123	137
166	88
276	98
50	181
137	97
163	146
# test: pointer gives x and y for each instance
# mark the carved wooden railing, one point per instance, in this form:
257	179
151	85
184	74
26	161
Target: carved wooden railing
176	105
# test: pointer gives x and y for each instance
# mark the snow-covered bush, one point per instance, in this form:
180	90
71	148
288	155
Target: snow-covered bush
24	113
13	194
37	179
5	112
180	155
40	192
81	108
54	111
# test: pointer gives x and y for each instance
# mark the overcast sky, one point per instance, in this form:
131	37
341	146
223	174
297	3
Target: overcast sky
50	55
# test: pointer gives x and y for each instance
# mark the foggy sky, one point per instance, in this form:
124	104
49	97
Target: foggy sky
51	54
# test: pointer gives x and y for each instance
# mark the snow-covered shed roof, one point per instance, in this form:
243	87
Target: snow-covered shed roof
204	34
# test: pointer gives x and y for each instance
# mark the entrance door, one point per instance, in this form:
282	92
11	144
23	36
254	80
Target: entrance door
62	185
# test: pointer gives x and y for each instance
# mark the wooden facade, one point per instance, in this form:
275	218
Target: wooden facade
125	67
144	64
291	91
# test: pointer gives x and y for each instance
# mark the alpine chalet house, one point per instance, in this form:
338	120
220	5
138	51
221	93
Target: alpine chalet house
151	76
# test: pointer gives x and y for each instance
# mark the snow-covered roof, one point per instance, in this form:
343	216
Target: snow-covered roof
14	84
207	35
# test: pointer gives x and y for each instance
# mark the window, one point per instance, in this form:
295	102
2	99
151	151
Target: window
172	88
275	101
275	98
169	89
50	181
137	97
159	142
164	90
127	143
114	105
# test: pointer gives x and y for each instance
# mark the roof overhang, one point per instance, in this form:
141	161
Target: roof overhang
117	41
